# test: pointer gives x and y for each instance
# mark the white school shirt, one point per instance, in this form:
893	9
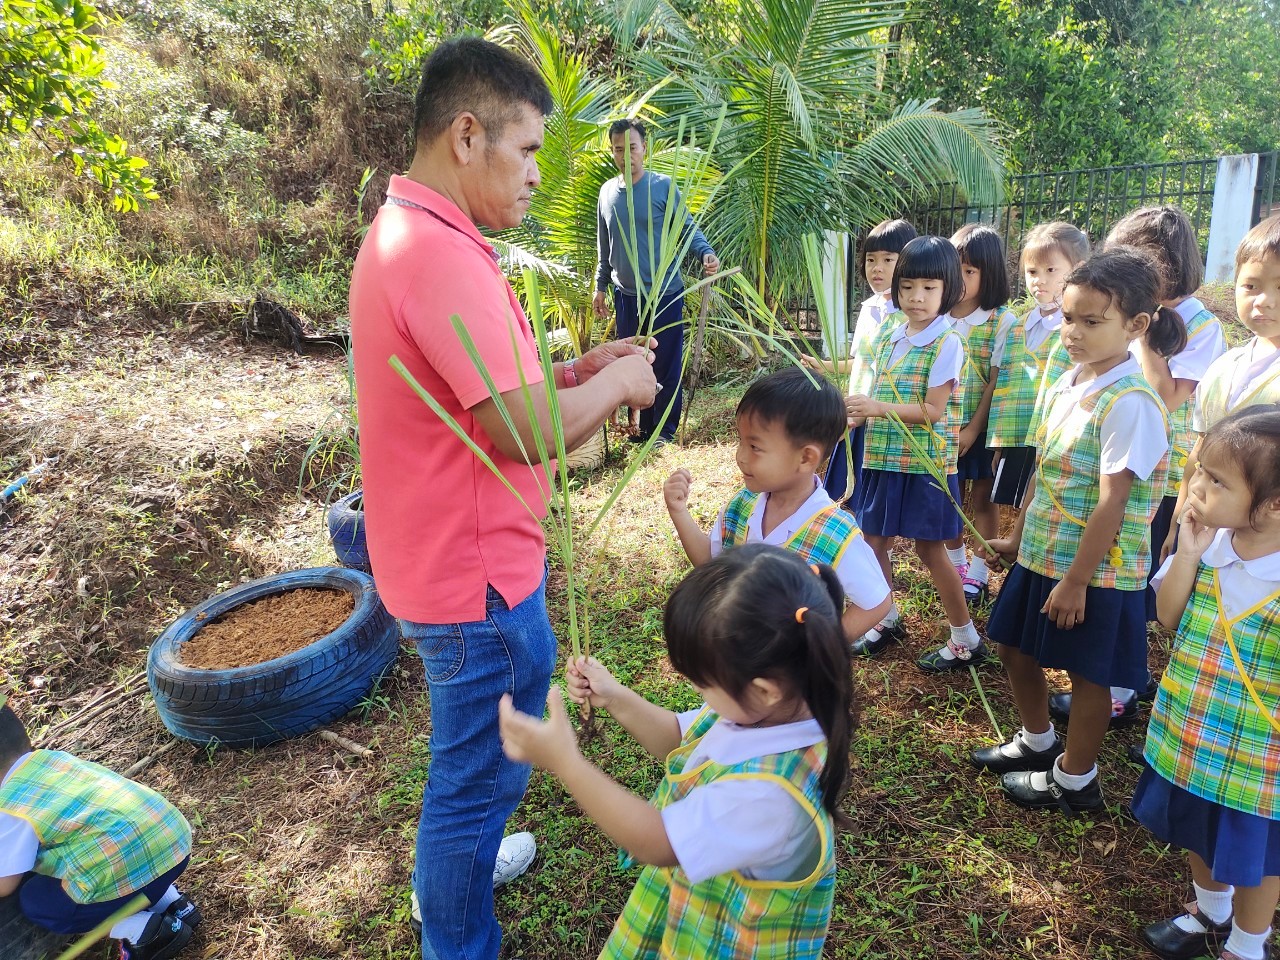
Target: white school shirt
966	325
1133	434
859	570
1201	350
19	845
1039	325
1007	322
1244	583
872	313
950	359
1251	364
755	827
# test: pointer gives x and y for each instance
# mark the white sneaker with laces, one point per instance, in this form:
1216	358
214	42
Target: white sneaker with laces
514	857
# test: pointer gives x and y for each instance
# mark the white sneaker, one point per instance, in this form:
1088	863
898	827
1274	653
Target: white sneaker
514	857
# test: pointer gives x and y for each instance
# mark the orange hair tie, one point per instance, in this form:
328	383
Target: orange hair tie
814	568
800	614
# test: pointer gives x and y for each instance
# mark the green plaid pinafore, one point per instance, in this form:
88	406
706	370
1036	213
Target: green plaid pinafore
1018	385
729	917
1181	436
823	539
906	381
1208	734
1068	465
103	836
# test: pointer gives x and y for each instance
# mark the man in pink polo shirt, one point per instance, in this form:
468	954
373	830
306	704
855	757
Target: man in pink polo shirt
456	556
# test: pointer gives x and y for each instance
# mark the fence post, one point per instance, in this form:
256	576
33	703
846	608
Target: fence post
835	256
1232	214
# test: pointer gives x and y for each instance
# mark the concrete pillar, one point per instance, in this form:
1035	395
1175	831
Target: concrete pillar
1232	214
834	292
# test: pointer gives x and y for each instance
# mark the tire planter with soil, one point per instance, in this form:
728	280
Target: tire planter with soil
346	531
284	697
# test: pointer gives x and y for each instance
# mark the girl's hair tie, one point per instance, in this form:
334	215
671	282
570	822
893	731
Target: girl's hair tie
814	568
800	614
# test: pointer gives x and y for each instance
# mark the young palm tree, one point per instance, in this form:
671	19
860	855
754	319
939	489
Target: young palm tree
811	139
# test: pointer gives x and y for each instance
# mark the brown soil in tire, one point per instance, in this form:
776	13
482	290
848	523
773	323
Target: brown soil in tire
268	628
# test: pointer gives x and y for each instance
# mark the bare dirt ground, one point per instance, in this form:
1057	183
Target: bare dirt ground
179	453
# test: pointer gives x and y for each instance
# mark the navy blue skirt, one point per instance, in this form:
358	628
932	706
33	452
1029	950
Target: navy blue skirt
1160	525
1240	848
1017	464
837	478
1108	648
976	464
906	505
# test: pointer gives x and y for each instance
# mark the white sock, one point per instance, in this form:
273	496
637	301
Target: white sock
1123	694
978	569
1214	904
1039	742
167	898
1247	946
1073	781
966	636
131	927
892	617
957	556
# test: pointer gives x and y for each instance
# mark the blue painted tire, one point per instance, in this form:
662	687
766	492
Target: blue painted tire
285	697
346	531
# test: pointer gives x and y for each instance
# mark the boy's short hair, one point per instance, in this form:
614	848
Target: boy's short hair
889	236
808	405
14	741
1260	243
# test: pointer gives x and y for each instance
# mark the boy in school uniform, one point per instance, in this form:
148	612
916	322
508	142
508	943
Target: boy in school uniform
78	843
787	424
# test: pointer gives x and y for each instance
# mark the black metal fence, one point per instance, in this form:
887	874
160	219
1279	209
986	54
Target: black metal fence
1091	199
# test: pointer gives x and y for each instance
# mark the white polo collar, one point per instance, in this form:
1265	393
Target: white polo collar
1038	318
975	319
932	332
1222	553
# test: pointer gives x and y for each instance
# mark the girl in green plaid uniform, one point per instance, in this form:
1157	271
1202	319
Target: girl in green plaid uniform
738	839
982	318
1074	600
1249	374
1166	234
1049	253
80	844
917	365
1212	785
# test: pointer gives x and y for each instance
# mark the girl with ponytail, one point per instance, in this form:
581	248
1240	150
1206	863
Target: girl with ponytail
738	839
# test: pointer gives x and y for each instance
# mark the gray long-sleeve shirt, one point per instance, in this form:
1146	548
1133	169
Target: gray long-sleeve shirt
613	233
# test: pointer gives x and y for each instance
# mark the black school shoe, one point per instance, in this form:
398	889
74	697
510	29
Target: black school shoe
876	640
1122	715
185	909
163	937
935	662
1015	755
1018	788
1173	943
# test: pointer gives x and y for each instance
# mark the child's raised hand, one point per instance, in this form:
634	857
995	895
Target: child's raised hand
587	679
675	491
1194	537
527	739
810	362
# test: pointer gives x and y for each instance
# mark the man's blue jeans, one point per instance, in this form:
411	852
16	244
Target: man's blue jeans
668	362
472	788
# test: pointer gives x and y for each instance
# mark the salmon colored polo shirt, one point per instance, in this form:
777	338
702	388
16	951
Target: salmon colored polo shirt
440	526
